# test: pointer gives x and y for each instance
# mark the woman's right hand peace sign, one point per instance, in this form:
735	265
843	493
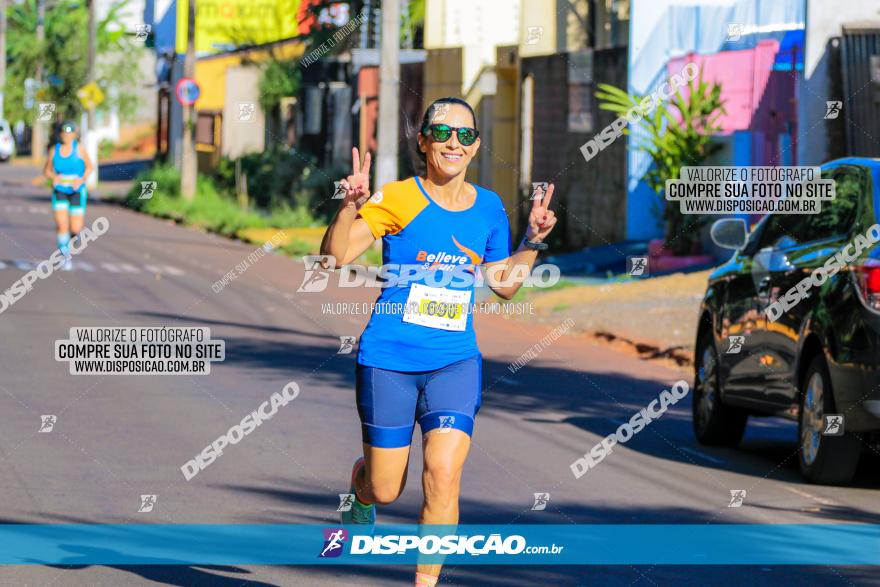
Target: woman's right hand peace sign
357	185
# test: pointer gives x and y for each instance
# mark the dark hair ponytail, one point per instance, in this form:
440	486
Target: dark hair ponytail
419	160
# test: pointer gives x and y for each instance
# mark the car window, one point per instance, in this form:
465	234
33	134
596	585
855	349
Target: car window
787	230
780	231
837	216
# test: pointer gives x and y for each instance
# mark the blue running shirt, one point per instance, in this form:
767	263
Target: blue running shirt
67	168
419	325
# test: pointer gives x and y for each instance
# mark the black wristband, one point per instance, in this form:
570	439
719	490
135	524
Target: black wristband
535	246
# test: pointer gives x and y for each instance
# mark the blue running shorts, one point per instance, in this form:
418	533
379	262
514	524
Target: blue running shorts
74	202
391	402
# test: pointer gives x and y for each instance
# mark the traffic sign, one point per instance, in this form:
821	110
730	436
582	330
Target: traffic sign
187	91
90	95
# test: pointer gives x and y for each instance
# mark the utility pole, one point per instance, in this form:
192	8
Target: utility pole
3	4
38	144
91	141
189	163
90	75
389	81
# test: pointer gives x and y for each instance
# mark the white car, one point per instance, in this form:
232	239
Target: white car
7	142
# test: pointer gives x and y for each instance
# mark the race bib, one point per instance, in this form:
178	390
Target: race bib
66	180
437	307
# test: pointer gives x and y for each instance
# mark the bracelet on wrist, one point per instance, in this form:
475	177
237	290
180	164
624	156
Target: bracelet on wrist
535	246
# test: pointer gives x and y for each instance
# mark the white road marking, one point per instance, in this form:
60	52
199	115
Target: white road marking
25	265
14	209
815	498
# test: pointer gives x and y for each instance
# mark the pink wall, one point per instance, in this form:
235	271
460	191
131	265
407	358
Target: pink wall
756	98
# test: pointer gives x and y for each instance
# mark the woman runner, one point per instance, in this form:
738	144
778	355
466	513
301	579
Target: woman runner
418	359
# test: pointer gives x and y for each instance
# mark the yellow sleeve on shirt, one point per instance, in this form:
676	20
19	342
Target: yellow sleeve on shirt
389	210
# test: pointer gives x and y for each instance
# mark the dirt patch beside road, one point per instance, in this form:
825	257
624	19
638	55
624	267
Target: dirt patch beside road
656	318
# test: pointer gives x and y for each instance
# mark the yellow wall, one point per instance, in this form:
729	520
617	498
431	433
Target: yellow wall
505	129
443	74
211	71
236	22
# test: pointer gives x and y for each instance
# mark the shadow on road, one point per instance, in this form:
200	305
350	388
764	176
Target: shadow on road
595	402
600	402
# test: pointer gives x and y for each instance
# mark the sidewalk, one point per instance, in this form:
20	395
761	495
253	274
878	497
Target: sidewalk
657	318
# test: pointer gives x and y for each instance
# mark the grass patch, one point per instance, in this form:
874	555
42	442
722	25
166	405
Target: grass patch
295	230
211	209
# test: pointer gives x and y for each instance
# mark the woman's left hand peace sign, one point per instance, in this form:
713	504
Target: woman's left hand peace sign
541	219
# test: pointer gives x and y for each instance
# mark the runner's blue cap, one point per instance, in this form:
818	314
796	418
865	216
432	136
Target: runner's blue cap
68	126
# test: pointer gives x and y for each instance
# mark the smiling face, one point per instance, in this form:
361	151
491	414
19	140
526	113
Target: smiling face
448	159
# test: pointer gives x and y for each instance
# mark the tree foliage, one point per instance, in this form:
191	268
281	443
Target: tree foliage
677	133
64	57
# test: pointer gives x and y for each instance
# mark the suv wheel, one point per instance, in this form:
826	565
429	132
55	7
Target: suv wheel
714	423
830	460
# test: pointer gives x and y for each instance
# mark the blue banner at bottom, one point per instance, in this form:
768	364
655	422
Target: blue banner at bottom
271	544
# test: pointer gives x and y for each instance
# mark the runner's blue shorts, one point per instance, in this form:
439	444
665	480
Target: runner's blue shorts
391	402
74	201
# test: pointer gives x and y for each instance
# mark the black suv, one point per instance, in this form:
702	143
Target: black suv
766	347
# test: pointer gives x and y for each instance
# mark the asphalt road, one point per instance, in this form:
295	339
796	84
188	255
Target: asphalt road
118	437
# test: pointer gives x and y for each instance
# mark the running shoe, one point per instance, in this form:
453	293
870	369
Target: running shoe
359	513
